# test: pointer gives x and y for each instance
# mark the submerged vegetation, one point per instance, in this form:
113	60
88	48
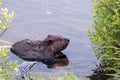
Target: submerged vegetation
105	35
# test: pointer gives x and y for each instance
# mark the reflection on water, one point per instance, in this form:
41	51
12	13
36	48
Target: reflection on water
60	61
35	19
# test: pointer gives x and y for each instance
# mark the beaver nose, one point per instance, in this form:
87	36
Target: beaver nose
67	40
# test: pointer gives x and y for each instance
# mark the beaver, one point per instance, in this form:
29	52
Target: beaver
37	50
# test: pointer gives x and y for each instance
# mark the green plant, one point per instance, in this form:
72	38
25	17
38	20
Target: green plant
105	35
68	76
7	68
39	76
6	17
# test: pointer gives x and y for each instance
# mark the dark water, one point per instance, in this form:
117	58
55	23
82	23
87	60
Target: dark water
35	19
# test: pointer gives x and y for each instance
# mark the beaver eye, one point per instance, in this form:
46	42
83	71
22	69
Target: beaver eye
50	41
61	39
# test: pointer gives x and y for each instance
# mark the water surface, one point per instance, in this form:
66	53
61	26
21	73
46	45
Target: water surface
35	19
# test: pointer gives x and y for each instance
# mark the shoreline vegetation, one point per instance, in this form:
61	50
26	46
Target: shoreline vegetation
105	37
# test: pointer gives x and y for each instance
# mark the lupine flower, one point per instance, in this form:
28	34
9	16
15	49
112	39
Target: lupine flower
26	66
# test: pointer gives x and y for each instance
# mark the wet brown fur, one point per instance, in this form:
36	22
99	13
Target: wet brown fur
36	50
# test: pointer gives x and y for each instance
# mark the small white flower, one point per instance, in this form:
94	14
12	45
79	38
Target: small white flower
16	69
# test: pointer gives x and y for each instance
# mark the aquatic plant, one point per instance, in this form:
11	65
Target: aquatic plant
105	35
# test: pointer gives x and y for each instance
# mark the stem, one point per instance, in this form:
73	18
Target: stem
3	32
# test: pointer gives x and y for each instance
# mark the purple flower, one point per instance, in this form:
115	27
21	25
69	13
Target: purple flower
26	68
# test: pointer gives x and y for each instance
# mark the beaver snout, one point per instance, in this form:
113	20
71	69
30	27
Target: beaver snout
67	40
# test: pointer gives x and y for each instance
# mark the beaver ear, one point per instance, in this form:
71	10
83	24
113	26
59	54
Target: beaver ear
49	35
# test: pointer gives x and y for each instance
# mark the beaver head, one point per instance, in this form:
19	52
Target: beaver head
45	50
56	43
